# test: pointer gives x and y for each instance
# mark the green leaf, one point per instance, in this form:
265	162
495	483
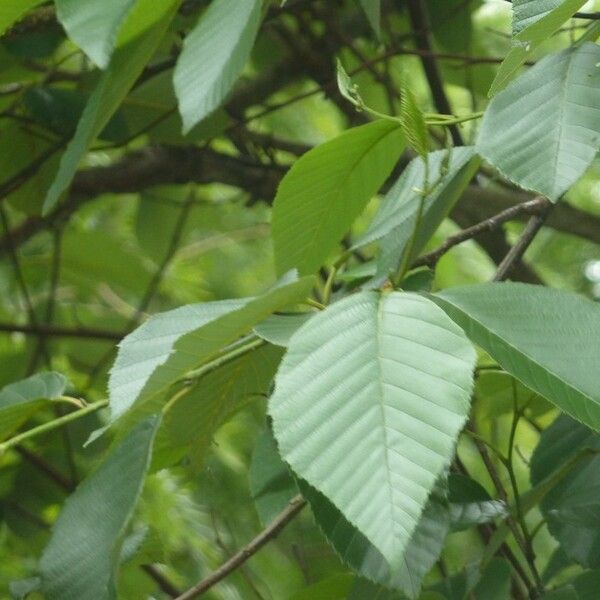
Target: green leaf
12	10
126	65
213	57
527	39
547	339
359	414
587	585
80	561
278	329
326	189
495	582
372	9
497	390
94	25
169	345
190	423
470	504
420	555
272	485
20	400
450	173
572	507
543	131
528	12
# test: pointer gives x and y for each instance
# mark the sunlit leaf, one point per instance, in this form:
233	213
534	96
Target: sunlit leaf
326	189
358	412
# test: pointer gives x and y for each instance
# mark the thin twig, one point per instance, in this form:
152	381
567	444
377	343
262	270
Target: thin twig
161	580
518	250
529	207
265	536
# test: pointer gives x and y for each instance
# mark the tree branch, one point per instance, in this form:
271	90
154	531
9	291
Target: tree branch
58	331
238	559
518	250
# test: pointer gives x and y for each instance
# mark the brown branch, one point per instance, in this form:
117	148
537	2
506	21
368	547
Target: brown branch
419	19
518	250
238	559
46	468
58	331
528	207
161	580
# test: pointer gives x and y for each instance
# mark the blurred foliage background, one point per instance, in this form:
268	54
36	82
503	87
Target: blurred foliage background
155	219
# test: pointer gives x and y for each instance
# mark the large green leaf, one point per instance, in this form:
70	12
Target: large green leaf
548	339
572	507
449	174
543	130
126	65
420	555
93	25
534	24
13	10
272	487
368	403
190	423
326	189
80	561
20	400
213	56
169	345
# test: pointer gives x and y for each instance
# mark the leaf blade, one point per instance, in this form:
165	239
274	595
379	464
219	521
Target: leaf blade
326	189
526	329
328	419
79	562
555	104
226	37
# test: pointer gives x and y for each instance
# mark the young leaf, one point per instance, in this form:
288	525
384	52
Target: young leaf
529	37
169	345
542	132
359	413
12	10
413	123
93	25
127	64
449	174
572	507
80	561
20	400
548	339
326	189
213	56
